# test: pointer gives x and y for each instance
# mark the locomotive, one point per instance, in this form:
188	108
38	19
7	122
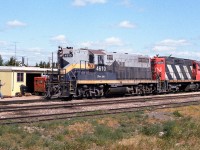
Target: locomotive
95	73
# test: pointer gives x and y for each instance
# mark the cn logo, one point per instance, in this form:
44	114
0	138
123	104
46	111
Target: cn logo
159	69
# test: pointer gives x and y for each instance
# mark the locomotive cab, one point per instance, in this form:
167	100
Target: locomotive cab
158	68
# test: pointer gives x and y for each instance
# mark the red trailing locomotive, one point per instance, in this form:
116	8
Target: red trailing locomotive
178	74
96	73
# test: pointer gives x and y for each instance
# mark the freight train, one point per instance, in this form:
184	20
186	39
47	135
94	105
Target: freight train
87	73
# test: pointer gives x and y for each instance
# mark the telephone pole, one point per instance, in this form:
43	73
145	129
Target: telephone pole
49	62
15	44
15	52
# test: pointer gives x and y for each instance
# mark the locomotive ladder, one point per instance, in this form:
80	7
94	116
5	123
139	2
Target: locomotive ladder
72	83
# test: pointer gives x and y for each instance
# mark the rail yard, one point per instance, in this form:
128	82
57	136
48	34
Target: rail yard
99	75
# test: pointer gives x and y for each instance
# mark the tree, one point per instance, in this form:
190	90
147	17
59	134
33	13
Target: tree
48	65
1	61
12	62
42	64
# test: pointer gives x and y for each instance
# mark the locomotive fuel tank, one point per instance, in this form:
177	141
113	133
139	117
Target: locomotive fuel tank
118	91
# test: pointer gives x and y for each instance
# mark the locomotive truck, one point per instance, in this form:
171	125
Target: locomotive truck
95	73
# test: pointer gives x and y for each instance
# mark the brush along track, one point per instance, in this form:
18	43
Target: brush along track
7	102
95	112
93	103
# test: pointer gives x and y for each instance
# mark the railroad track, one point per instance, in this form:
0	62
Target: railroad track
8	102
92	103
78	114
140	104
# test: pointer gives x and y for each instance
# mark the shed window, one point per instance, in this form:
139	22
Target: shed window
20	77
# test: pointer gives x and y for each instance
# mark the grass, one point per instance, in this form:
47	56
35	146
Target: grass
125	131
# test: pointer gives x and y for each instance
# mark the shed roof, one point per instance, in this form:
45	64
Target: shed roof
24	69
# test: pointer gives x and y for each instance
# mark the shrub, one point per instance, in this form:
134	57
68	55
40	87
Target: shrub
151	129
106	134
168	128
177	114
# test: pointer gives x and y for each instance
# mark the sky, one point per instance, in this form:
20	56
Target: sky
35	28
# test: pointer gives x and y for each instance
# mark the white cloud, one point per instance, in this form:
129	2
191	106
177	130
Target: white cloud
6	53
127	3
170	44
60	39
126	24
108	42
35	50
15	23
86	2
113	41
186	54
3	43
88	44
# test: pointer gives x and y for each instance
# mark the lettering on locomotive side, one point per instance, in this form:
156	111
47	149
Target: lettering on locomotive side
70	54
101	76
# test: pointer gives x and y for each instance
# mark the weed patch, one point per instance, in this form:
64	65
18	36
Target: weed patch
177	114
80	128
151	129
110	122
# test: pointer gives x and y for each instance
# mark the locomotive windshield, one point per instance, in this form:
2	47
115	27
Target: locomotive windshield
100	59
91	58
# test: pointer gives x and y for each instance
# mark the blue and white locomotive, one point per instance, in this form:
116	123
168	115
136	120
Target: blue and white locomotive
94	73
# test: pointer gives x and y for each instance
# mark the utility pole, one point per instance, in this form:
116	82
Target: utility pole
15	44
15	53
49	62
52	63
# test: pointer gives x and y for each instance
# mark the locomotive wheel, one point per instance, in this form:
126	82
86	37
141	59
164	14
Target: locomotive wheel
79	94
97	93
